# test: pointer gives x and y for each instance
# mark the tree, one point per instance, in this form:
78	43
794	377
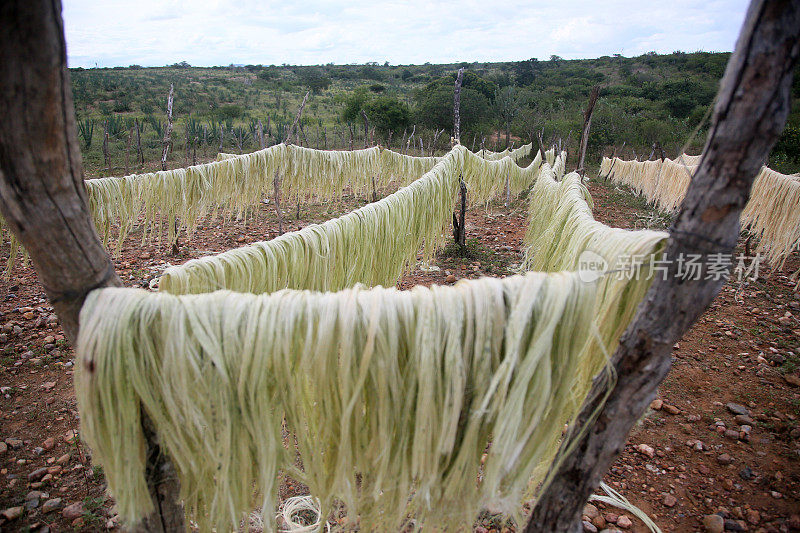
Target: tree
353	104
435	110
506	105
387	113
751	110
315	79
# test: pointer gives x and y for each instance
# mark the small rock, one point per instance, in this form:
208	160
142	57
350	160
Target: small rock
746	473
714	523
3	447
51	505
624	522
732	434
35	495
792	380
12	513
656	404
590	511
71	436
38	451
669	500
744	420
37	474
64	459
72	511
15	444
644	449
752	516
737	409
47	386
734	525
49	443
725	459
611	518
671	409
588	527
450	279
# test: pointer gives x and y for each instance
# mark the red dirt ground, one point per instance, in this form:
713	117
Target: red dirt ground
744	350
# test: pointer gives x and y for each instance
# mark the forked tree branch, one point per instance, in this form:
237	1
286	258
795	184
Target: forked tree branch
751	111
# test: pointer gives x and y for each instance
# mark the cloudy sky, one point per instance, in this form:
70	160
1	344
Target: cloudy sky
219	32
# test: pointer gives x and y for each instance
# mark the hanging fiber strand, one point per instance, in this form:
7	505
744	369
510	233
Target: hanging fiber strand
373	245
772	212
393	397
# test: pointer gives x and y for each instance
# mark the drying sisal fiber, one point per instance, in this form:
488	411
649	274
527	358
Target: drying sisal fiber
772	212
392	396
562	234
372	245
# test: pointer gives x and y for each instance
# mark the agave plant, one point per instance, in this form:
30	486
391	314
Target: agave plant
86	131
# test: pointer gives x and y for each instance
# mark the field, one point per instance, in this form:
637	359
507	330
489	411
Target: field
690	456
644	100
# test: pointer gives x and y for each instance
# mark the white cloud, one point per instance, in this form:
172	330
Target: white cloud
217	32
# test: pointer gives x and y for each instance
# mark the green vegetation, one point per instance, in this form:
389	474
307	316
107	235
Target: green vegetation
645	99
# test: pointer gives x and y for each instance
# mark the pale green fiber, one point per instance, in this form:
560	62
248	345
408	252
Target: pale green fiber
372	245
392	396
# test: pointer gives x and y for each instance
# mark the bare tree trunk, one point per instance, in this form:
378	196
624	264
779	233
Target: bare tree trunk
403	141
410	138
435	138
457	106
43	198
168	132
205	139
294	129
751	110
221	136
194	150
260	134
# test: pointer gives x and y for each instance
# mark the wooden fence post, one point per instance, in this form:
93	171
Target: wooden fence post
751	109
168	132
44	201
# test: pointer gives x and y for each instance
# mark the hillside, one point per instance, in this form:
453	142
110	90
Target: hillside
645	99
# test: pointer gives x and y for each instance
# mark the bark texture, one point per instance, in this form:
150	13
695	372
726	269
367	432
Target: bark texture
42	195
751	111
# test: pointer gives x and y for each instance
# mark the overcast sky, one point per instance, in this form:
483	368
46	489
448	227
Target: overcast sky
218	32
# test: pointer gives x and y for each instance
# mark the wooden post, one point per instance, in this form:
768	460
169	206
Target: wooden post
751	109
168	132
106	158
294	129
186	146
260	134
435	138
457	106
459	224
205	139
139	144
43	198
221	136
194	150
128	150
410	137
366	128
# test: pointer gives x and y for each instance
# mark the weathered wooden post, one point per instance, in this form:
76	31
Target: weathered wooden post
751	109
168	132
43	198
459	223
